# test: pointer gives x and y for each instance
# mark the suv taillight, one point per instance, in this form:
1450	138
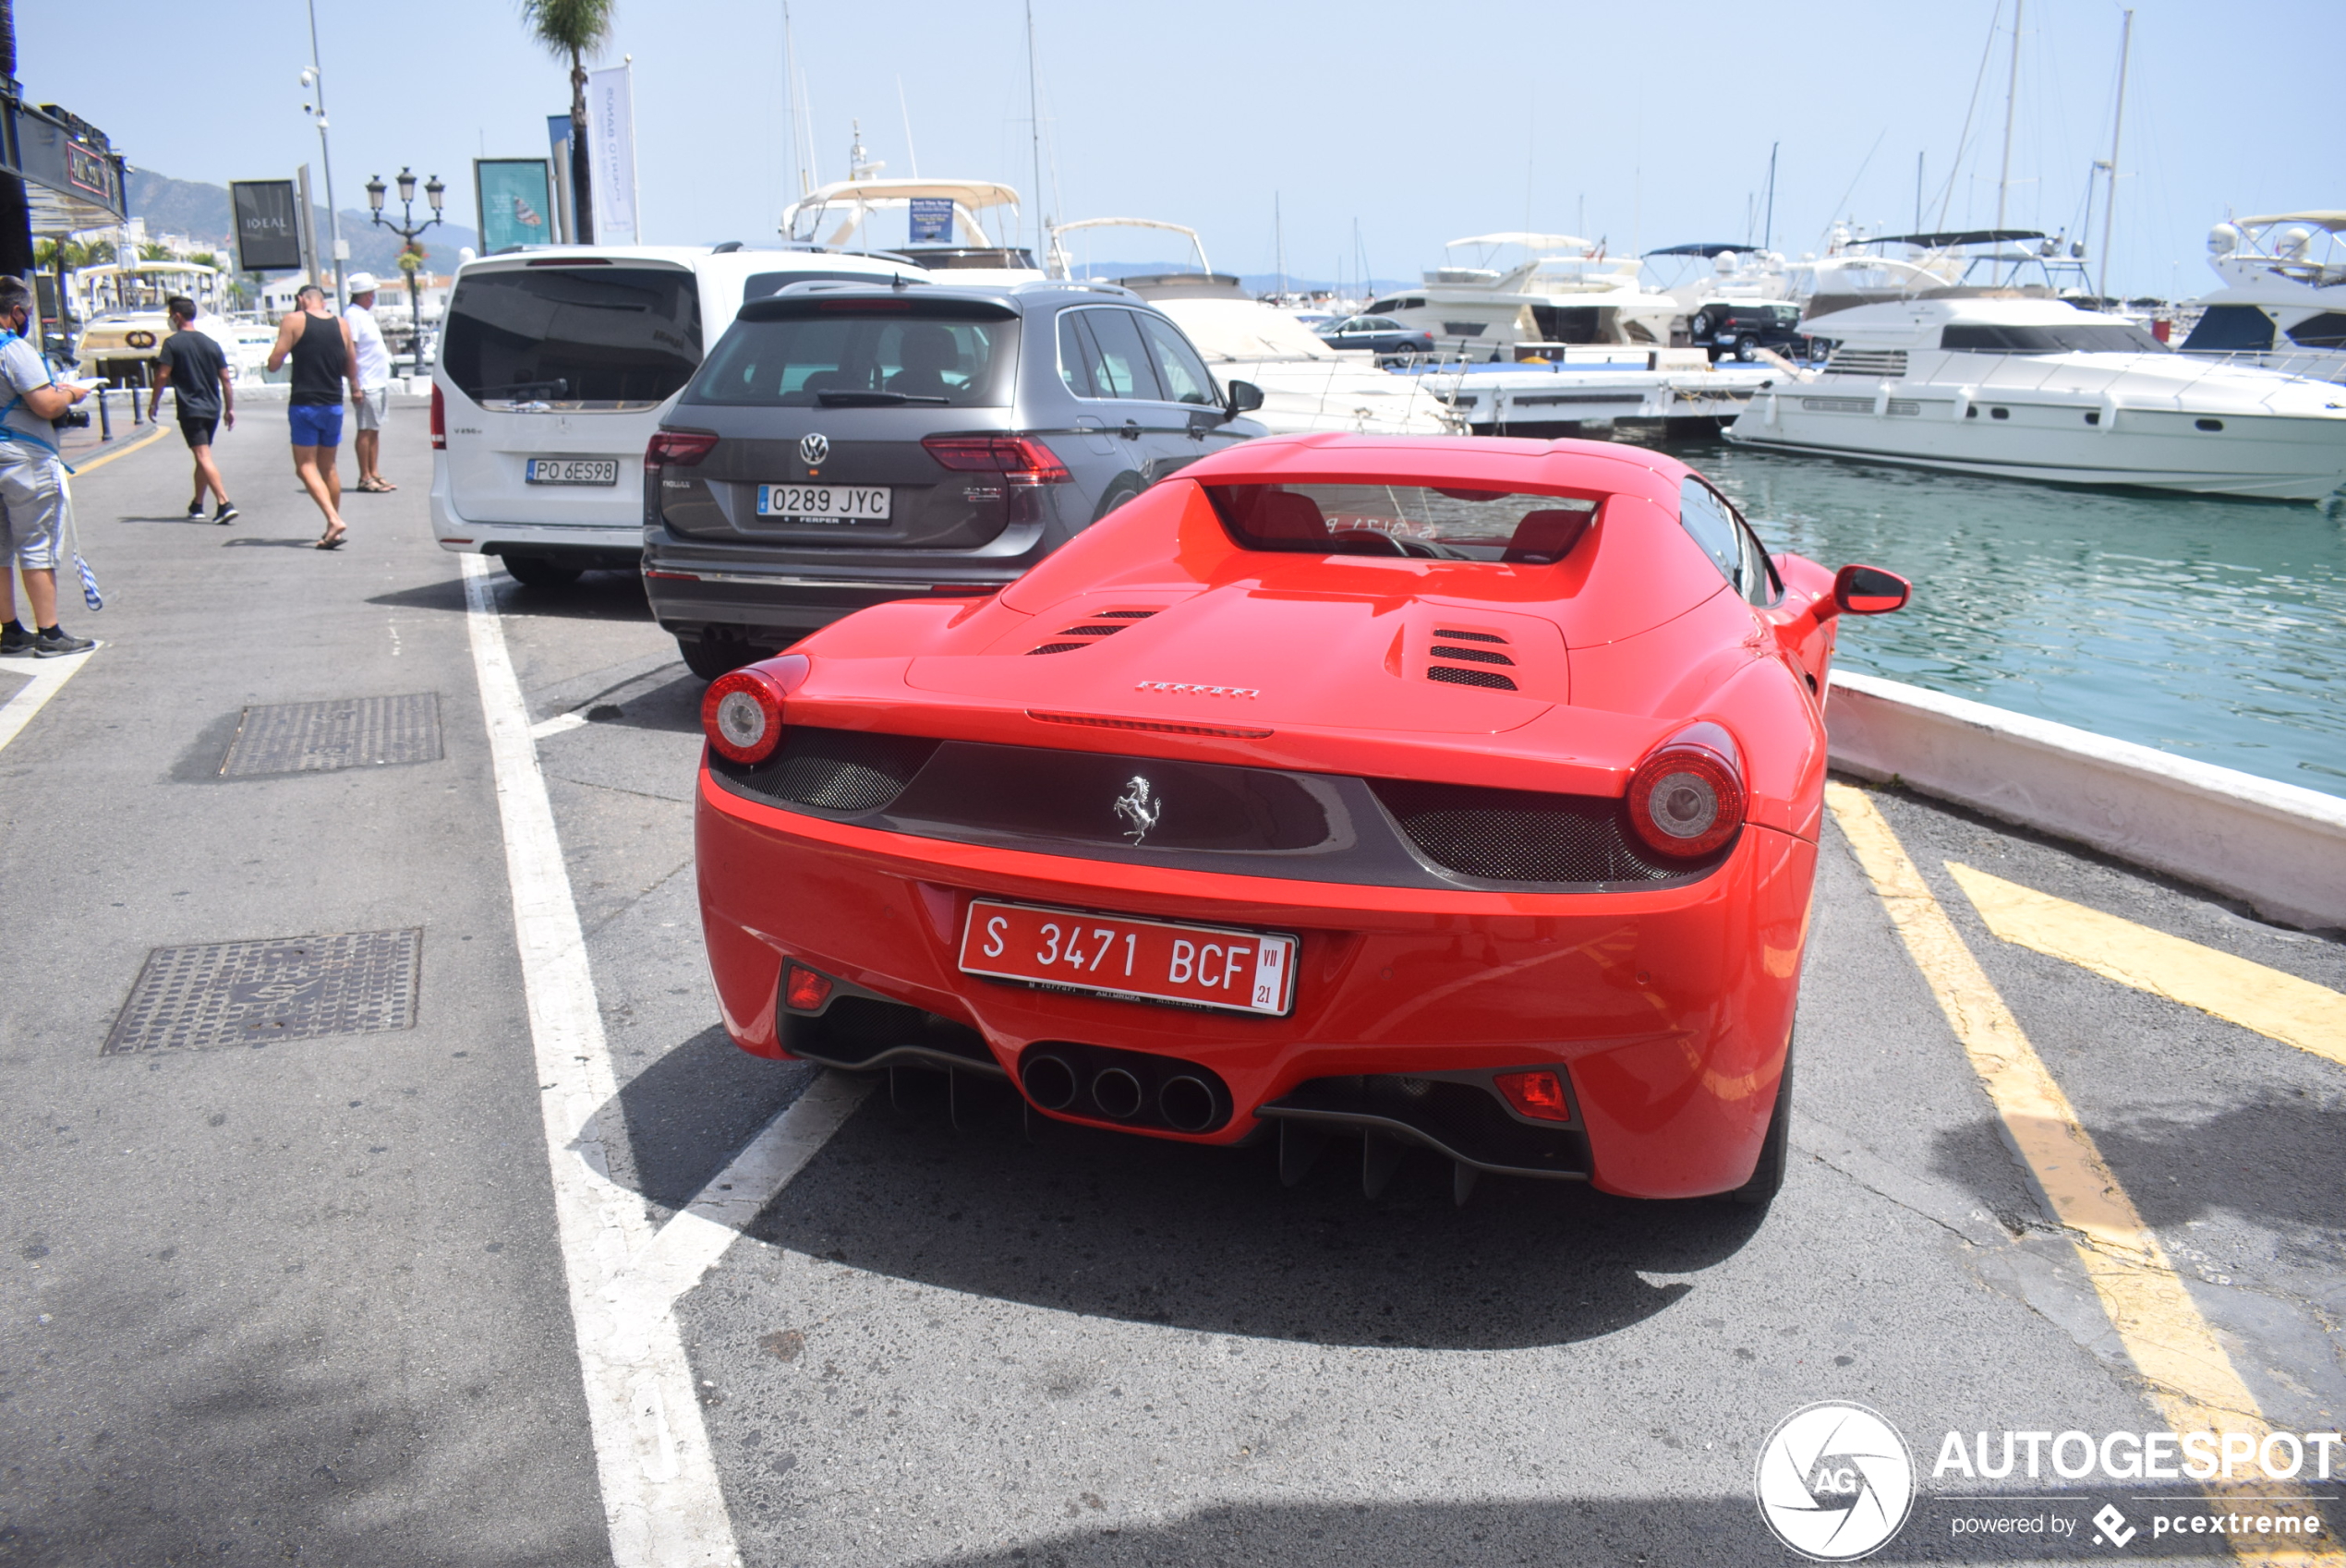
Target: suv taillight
1022	458
438	420
683	447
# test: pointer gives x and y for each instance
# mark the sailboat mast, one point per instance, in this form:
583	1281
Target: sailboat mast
1035	129
1278	242
2117	123
2012	99
1767	232
789	81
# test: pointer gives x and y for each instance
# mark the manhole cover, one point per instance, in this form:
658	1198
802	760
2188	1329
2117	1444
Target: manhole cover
347	732
284	988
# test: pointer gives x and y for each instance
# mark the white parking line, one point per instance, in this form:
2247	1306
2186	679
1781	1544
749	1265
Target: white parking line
560	724
46	676
661	1499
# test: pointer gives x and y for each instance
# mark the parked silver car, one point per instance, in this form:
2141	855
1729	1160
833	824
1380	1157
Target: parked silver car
845	444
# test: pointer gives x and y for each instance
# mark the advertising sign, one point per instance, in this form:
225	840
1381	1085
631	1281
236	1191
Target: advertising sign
932	220
515	197
267	225
610	154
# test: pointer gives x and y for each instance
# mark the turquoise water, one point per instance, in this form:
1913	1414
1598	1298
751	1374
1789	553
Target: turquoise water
2214	629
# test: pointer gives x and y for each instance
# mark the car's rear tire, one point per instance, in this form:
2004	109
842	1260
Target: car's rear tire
1699	328
536	571
1775	1149
711	657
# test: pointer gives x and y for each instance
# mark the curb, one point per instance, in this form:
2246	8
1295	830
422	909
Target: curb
2279	848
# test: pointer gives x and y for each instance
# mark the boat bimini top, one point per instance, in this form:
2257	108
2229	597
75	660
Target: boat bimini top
857	200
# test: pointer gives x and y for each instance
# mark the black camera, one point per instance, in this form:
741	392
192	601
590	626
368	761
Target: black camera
72	419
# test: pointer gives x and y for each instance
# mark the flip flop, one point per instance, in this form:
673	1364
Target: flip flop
333	542
380	488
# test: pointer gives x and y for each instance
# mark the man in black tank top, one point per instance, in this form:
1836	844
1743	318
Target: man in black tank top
324	361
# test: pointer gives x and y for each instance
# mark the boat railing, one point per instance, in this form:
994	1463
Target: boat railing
2010	372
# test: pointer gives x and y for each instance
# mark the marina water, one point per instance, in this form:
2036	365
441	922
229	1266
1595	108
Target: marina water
2213	629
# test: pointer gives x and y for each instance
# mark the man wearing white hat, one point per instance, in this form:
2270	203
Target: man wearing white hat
372	396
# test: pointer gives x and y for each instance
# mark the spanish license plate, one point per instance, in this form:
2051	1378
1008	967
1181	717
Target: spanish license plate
1145	960
826	503
571	471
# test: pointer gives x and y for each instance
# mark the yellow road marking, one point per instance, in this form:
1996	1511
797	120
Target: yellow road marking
2192	1379
2310	1017
95	463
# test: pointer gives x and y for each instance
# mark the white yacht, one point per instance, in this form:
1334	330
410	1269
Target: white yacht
2283	303
1306	385
941	225
2017	383
1553	289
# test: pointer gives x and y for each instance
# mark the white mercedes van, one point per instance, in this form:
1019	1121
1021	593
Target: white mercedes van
555	366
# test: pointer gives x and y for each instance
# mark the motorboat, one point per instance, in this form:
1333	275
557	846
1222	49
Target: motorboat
1552	289
966	227
1306	385
2018	383
2283	303
121	307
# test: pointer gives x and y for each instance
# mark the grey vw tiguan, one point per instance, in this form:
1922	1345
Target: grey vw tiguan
844	444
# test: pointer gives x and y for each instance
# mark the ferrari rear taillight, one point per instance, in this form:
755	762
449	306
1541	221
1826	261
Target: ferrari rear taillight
438	420
1687	798
742	712
1538	1094
681	448
804	991
1022	459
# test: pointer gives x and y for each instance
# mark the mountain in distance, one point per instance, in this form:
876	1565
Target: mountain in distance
200	211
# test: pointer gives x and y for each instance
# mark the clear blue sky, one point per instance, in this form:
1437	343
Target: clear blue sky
1422	123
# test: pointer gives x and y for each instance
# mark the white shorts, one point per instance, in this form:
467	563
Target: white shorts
372	406
32	510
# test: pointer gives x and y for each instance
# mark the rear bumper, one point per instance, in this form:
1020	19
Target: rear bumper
1669	1011
698	590
569	544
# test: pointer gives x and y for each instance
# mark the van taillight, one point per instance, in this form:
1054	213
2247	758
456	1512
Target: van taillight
1025	460
438	420
683	447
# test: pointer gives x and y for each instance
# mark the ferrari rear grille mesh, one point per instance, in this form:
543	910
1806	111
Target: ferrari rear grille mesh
1125	614
844	770
1056	648
1491	678
1518	835
1469	636
1474	655
1099	623
1090	631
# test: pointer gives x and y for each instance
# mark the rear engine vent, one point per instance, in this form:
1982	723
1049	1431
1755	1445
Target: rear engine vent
1490	678
842	770
1456	677
1519	834
1099	623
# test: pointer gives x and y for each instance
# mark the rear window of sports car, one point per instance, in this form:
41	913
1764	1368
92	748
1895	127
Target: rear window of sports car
1403	518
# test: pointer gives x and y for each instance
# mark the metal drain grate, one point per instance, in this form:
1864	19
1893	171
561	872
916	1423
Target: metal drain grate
281	988
348	732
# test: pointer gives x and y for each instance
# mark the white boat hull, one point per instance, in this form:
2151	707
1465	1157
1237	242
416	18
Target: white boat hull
2274	456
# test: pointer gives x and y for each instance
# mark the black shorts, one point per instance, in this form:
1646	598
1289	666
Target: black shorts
198	431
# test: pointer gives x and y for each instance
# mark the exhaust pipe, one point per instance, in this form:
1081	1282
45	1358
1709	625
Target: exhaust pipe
1186	1103
1117	1093
1050	1082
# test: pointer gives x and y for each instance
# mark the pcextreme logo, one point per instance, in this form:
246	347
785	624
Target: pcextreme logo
1834	1481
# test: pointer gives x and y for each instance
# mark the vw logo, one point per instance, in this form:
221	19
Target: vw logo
1834	1481
814	450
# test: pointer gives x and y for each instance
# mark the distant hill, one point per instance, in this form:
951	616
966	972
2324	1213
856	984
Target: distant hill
200	211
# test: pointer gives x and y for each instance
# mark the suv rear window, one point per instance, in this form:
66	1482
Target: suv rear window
574	337
844	357
1400	518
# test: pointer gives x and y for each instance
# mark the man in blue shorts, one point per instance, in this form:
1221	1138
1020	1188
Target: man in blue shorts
32	485
323	361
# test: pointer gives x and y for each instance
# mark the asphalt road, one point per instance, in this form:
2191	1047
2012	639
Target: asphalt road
304	1300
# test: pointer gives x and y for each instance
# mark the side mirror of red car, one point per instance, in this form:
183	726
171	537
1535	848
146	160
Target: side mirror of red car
1868	590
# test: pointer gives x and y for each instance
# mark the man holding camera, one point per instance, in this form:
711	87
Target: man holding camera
32	483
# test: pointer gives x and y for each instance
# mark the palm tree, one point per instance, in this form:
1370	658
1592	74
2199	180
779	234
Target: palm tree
574	29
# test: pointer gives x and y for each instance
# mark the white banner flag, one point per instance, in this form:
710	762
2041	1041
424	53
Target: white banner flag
611	141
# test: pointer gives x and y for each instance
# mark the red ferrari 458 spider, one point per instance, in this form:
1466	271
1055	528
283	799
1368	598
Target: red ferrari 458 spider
1458	794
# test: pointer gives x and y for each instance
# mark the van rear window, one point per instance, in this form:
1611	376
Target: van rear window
614	337
849	355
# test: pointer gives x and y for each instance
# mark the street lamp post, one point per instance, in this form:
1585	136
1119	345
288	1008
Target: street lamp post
408	229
